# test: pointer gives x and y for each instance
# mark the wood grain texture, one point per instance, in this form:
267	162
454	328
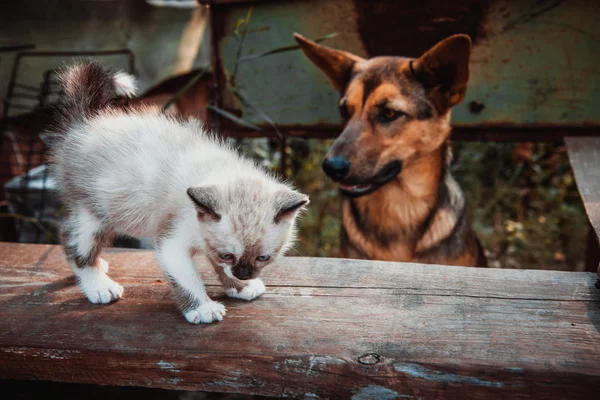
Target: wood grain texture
584	155
326	328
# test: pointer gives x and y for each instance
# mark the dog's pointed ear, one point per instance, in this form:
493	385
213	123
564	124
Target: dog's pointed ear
205	201
444	71
336	64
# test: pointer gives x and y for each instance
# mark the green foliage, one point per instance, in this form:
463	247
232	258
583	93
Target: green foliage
523	203
522	200
320	227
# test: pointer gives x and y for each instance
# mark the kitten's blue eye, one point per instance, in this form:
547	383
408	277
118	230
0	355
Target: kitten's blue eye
263	258
226	256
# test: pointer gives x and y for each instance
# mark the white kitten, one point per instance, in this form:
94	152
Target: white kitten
145	174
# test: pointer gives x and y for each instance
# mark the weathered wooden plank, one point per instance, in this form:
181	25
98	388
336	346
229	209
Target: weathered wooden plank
300	272
584	155
327	328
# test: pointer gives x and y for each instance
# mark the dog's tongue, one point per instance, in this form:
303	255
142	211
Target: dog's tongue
351	188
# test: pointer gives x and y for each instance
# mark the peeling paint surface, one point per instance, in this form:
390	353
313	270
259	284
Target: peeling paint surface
533	61
319	361
167	366
379	393
420	372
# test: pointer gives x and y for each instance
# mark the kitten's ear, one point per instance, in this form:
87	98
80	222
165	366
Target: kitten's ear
288	203
205	200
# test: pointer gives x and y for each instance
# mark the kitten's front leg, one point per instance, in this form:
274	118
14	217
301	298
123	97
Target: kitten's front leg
177	263
237	288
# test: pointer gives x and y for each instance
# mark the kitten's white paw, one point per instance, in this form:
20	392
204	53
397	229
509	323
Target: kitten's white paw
97	286
104	292
206	313
253	289
104	265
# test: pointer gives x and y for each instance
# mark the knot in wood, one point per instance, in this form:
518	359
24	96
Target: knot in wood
369	359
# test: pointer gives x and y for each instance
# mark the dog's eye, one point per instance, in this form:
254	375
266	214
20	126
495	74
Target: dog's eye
263	258
389	115
344	111
226	256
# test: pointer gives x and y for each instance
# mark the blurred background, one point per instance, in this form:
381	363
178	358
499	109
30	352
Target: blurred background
234	64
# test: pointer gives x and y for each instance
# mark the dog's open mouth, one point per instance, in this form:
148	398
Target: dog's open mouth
352	188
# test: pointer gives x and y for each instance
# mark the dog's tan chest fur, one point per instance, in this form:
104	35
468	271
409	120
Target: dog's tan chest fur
397	211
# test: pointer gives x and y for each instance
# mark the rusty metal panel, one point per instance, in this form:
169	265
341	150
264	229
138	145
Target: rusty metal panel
535	63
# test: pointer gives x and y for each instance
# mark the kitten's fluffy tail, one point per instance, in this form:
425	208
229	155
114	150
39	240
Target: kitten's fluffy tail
90	87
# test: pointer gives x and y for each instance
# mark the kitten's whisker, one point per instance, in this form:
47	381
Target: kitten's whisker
210	253
300	254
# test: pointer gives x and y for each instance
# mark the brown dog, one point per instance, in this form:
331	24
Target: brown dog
392	159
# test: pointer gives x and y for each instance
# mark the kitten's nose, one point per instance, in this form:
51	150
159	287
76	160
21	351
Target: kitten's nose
242	271
336	167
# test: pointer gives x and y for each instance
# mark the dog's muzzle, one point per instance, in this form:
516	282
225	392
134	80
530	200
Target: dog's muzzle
336	167
356	188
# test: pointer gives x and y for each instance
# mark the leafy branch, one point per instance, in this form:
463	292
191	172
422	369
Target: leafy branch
242	38
232	117
240	31
283	49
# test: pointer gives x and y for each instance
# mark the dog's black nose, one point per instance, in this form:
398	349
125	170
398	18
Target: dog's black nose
336	167
242	271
